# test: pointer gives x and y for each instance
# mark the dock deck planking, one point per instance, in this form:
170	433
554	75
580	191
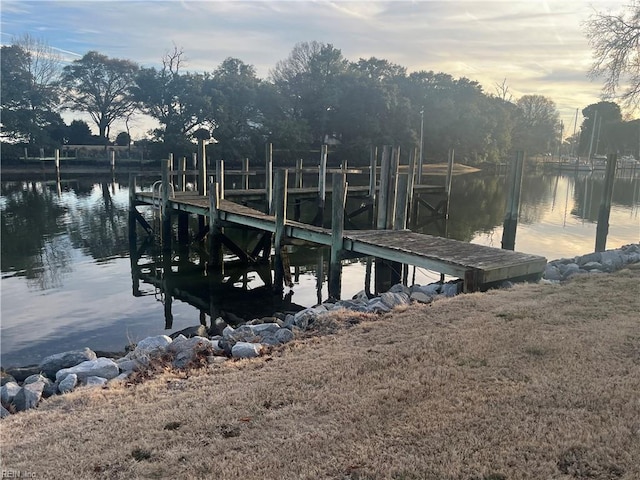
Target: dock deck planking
478	265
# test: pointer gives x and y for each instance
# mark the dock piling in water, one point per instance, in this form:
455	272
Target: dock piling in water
602	230
338	200
513	202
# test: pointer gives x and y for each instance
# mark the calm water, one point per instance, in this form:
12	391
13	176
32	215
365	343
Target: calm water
67	275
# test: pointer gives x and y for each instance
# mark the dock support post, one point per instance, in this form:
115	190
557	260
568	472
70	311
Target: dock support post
280	207
383	192
220	177
373	167
202	167
215	242
183	217
166	211
602	230
322	183
387	273
112	162
410	187
133	239
245	173
513	202
182	176
319	275
447	187
268	180
400	221
298	184
338	198
194	167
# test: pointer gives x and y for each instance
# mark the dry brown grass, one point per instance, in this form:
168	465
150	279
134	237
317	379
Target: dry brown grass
538	382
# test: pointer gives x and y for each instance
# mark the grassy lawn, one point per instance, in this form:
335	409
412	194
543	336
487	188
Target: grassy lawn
536	382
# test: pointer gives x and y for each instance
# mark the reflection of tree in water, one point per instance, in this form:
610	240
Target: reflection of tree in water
31	217
51	264
39	229
99	226
537	193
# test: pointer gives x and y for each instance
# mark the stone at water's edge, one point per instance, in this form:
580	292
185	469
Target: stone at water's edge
4	412
8	392
94	381
29	396
150	346
196	331
68	384
51	364
100	367
246	350
5	377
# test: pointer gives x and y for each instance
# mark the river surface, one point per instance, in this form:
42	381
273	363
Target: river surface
68	280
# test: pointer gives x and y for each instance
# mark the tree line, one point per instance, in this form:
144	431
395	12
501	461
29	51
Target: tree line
313	96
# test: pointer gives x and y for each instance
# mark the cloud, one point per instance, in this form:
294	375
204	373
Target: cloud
538	46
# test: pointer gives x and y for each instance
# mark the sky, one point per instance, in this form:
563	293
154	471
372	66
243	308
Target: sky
535	47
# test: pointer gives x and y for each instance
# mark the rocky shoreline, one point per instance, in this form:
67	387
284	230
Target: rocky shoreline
23	388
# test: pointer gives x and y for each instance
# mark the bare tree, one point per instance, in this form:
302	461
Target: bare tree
615	40
45	64
502	91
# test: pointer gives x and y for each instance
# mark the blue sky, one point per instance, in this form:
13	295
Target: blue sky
538	46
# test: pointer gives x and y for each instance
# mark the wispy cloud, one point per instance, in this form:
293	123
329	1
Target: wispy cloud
538	46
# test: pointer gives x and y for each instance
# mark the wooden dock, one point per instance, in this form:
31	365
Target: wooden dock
479	266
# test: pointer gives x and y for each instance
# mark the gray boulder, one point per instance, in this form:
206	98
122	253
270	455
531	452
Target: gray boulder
552	272
100	367
592	266
246	350
451	289
4	412
432	289
150	347
51	364
20	373
393	299
283	335
49	387
94	381
400	288
68	383
8	392
612	260
196	331
29	396
589	257
5	377
418	296
306	317
569	270
186	350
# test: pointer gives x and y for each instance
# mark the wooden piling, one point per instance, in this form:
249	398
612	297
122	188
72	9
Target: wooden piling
166	210
602	230
202	167
133	239
183	217
215	243
338	197
245	173
268	180
220	177
182	175
513	202
400	220
371	195
280	211
298	183
383	191
412	177
322	185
